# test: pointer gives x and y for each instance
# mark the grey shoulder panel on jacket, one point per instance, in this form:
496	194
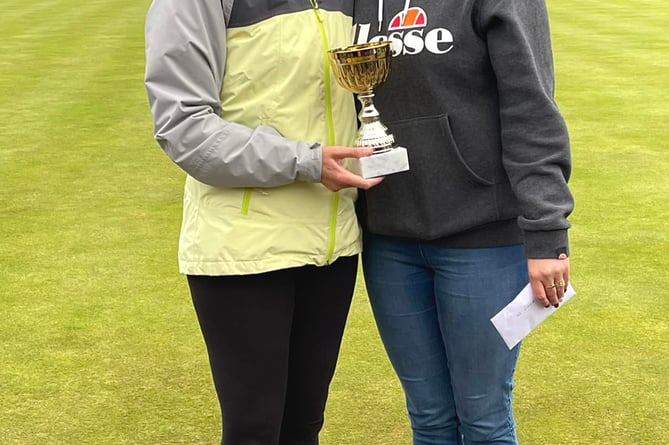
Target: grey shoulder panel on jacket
185	62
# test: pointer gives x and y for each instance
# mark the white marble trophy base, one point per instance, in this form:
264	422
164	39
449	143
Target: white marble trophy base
384	163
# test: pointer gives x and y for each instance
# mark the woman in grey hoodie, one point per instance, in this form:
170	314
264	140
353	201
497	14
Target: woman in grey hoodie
482	211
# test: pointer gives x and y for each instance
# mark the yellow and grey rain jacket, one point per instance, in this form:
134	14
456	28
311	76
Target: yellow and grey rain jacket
242	98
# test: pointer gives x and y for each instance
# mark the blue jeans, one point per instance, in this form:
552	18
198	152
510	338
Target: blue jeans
432	306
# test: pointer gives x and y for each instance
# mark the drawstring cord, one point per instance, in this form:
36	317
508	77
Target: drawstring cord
380	12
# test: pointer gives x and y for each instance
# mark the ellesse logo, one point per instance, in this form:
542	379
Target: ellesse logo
409	34
414	17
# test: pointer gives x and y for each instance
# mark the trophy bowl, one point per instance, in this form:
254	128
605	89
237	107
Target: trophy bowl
360	69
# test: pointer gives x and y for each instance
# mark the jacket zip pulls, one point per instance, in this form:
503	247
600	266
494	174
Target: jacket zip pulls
314	5
330	125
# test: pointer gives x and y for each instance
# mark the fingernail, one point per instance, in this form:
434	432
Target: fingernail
556	305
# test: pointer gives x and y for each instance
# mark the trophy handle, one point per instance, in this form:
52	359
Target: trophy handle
372	132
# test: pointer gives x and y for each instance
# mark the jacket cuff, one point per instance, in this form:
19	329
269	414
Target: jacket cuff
310	163
546	244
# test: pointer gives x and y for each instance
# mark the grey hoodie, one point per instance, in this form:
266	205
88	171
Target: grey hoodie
470	95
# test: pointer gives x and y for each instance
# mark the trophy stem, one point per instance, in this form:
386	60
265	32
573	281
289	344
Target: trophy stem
372	132
368	113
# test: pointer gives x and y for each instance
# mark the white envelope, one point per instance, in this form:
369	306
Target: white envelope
524	314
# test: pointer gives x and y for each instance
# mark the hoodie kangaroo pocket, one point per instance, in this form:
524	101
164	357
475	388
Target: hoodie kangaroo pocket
440	195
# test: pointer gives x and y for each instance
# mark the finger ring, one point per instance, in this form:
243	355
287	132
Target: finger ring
560	282
551	286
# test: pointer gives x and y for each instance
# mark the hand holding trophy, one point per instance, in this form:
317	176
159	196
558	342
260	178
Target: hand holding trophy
360	69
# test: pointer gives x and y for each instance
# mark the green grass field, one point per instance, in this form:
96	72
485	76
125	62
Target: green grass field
98	340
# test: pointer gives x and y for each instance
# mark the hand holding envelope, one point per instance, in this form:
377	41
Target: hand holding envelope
524	314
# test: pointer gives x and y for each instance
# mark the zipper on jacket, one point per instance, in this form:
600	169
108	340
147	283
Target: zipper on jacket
326	70
314	5
330	125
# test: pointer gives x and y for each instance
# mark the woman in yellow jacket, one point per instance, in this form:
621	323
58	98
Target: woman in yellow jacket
242	100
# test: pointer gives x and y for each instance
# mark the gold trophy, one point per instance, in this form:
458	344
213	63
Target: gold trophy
360	69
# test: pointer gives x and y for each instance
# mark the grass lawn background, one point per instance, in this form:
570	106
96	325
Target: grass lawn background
98	340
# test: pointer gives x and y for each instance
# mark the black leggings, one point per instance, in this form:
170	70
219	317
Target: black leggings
273	341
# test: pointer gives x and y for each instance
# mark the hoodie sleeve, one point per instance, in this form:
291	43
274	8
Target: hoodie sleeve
536	152
185	44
